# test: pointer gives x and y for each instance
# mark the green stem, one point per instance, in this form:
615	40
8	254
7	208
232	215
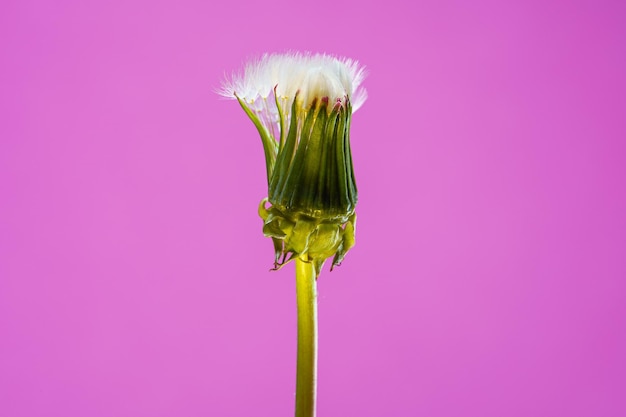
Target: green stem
306	375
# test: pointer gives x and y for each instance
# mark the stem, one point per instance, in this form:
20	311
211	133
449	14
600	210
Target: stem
306	375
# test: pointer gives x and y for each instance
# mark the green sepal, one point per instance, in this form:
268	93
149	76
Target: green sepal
270	146
285	154
281	120
348	241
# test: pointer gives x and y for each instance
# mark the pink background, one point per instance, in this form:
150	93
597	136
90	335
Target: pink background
489	273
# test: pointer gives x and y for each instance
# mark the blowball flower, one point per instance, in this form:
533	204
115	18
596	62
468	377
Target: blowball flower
302	104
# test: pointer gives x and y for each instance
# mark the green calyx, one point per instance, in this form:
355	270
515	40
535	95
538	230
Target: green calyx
313	172
309	238
311	185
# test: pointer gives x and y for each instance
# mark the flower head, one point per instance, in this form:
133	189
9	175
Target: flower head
302	104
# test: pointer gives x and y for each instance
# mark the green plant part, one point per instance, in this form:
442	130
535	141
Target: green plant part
314	239
301	106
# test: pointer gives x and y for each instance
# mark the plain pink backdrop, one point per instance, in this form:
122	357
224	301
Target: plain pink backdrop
489	276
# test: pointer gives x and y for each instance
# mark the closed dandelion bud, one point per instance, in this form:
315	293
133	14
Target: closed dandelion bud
302	106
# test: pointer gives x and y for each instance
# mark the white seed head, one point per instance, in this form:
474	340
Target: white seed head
312	76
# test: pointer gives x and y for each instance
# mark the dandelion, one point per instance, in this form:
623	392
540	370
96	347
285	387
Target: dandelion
302	105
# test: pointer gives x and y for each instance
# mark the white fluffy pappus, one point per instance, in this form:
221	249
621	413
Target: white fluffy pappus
310	75
317	75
